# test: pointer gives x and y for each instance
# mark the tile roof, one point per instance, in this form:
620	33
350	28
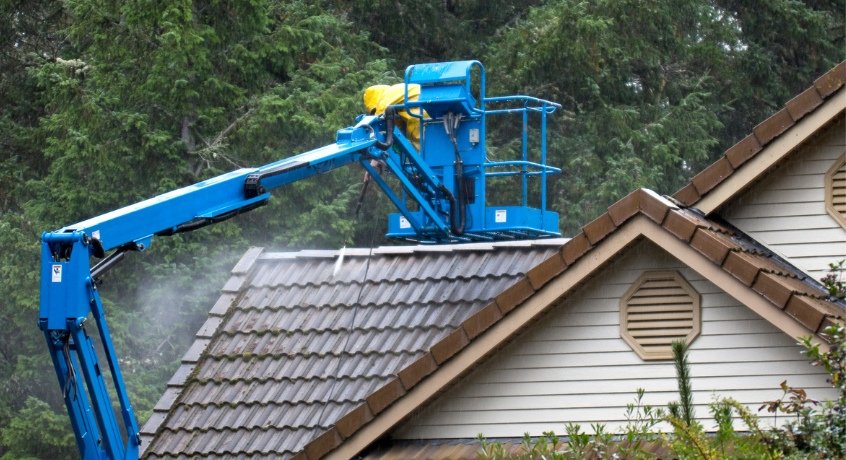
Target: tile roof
762	135
294	356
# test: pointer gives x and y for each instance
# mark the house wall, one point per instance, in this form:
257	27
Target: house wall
786	210
572	365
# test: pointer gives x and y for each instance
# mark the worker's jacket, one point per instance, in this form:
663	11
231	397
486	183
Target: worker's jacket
377	98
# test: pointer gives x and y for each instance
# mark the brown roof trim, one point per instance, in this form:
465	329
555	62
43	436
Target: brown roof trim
780	293
765	134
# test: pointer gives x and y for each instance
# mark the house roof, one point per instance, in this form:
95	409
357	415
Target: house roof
266	375
291	348
293	363
769	143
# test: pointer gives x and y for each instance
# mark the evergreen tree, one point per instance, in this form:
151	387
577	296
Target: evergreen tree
132	99
104	103
656	89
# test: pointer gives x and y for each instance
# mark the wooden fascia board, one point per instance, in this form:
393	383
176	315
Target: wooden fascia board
772	154
545	298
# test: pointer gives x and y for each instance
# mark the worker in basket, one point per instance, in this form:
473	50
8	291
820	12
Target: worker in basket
378	97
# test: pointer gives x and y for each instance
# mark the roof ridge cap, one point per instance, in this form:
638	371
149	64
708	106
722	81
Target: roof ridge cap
410	249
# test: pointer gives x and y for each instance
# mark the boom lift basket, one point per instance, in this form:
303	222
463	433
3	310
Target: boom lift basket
453	109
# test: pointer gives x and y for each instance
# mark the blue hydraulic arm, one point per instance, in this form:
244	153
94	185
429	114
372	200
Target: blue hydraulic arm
69	293
440	197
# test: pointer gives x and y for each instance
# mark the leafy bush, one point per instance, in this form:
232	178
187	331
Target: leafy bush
689	439
834	282
638	440
816	430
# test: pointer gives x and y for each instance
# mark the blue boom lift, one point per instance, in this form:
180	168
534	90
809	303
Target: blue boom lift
440	199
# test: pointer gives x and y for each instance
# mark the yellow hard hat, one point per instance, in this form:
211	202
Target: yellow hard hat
372	96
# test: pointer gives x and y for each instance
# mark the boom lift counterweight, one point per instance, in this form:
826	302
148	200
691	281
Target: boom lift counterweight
444	181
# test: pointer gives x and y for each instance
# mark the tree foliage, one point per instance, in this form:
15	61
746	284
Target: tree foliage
657	89
104	103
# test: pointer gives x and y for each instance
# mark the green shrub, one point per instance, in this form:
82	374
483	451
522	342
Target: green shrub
815	430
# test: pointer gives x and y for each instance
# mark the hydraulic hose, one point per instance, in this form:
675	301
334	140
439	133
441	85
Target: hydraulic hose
458	208
390	113
461	199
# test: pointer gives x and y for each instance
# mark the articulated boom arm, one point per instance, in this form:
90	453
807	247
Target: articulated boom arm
69	293
443	181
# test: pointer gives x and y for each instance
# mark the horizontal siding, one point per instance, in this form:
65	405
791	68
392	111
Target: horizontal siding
552	371
764	211
735	342
619	360
799	224
493	392
792	195
614	400
780	237
786	210
572	366
496	430
811	249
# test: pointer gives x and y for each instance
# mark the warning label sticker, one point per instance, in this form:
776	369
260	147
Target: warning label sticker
56	273
404	223
500	216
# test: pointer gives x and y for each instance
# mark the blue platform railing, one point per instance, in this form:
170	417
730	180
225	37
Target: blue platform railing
524	106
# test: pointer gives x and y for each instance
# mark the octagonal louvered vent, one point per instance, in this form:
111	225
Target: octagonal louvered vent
835	191
659	308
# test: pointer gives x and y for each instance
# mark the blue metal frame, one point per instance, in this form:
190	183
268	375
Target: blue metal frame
446	89
443	181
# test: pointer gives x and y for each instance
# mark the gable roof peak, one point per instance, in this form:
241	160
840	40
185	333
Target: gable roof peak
805	114
410	249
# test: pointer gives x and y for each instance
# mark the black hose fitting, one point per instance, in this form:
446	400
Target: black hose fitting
390	113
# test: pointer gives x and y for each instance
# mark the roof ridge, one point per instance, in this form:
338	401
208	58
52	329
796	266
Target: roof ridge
388	250
781	267
356	282
232	405
308	354
264	428
397	304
